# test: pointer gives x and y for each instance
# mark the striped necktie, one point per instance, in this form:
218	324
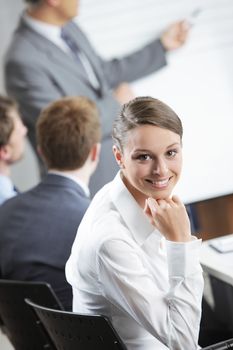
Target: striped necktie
80	57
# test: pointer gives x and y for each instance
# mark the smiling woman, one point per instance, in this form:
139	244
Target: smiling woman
148	148
147	136
134	258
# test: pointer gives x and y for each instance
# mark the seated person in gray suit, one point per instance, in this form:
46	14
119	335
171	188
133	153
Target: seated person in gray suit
12	143
37	227
50	57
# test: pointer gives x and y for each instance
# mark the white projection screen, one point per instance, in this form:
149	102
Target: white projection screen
197	82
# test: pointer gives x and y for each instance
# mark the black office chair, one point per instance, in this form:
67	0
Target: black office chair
21	324
223	345
72	331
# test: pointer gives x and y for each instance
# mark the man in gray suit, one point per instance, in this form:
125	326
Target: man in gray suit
37	228
50	57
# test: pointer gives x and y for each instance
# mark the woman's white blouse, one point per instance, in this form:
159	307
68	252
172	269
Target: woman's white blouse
121	267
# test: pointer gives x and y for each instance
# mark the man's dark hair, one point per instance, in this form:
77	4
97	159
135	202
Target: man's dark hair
7	105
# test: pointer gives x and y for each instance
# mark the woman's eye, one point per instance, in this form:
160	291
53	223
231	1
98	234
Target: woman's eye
172	153
144	157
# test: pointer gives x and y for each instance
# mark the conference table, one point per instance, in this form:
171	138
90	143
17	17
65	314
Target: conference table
218	272
215	263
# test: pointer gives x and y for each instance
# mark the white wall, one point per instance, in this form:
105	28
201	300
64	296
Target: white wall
25	173
9	14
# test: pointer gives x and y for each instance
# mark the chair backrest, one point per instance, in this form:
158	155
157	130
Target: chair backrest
20	323
72	331
223	345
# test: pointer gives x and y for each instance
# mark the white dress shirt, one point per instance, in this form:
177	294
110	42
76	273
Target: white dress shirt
6	188
121	267
49	31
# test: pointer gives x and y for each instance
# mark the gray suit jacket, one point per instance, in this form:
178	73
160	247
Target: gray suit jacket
38	72
37	229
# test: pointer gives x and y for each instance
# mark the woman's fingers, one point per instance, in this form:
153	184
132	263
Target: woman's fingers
153	205
176	200
169	217
149	211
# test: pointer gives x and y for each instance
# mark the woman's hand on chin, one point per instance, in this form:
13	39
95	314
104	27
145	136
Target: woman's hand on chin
169	216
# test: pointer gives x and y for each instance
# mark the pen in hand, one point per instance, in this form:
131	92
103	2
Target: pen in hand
192	18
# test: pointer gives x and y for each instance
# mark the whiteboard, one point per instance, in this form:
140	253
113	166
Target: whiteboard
197	82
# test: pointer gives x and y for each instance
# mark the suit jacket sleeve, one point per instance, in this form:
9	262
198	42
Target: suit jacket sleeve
136	65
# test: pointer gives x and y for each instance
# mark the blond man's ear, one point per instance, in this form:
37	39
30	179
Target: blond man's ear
38	149
95	152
